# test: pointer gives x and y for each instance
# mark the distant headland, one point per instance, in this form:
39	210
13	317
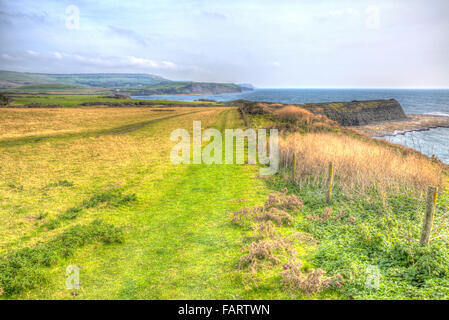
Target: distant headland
123	83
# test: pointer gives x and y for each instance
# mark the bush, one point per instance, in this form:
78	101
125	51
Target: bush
314	281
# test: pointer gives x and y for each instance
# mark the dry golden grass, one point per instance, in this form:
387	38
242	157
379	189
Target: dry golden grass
25	122
359	164
295	113
303	117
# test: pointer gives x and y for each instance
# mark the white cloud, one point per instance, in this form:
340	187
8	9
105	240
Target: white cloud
7	57
143	62
32	53
169	65
57	55
147	63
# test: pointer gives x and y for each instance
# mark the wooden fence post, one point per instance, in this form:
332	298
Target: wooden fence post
294	166
330	182
428	218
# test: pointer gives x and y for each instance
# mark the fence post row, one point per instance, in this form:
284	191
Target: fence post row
428	217
432	193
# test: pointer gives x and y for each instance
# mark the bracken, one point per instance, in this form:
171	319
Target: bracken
313	281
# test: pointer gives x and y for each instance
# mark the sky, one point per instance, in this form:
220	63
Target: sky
274	44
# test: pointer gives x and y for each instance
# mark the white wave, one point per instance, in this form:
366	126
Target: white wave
439	113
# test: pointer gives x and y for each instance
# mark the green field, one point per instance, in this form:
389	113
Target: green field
178	239
94	187
74	100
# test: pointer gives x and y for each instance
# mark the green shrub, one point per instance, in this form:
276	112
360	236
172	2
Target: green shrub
112	198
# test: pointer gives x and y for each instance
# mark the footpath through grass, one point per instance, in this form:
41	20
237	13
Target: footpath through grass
178	242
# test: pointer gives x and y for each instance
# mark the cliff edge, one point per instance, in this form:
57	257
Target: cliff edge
358	113
355	113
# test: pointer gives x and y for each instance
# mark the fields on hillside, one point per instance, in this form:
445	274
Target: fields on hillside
74	100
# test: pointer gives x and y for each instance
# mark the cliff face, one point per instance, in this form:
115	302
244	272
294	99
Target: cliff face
357	113
187	88
211	88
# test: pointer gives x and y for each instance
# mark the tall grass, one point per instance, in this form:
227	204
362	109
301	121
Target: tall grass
359	164
294	113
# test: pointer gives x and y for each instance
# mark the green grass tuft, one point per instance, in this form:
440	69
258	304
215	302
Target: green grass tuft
22	270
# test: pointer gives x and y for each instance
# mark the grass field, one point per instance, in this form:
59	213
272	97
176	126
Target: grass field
167	231
74	100
178	238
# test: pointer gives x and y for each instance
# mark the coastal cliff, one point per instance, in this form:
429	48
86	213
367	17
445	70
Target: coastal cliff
355	113
186	88
358	113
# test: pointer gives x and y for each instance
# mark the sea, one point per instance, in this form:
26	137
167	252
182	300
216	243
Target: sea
414	101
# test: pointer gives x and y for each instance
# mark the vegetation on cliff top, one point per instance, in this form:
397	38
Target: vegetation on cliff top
369	233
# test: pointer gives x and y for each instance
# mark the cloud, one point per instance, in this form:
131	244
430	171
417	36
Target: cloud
39	18
6	56
98	61
169	65
129	34
147	63
32	53
57	55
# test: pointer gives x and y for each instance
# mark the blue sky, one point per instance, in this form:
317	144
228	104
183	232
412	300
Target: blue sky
309	43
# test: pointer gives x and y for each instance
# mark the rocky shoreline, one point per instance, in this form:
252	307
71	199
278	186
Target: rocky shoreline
417	122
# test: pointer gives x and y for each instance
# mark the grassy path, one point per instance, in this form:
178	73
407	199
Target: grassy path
179	242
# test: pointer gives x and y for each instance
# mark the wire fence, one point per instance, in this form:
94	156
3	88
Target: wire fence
432	206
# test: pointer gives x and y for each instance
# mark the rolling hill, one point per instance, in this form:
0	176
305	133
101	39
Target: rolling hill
133	84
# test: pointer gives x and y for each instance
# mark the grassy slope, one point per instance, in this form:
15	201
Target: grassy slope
92	83
179	242
370	229
95	80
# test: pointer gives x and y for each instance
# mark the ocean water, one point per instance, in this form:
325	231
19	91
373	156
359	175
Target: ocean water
431	142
